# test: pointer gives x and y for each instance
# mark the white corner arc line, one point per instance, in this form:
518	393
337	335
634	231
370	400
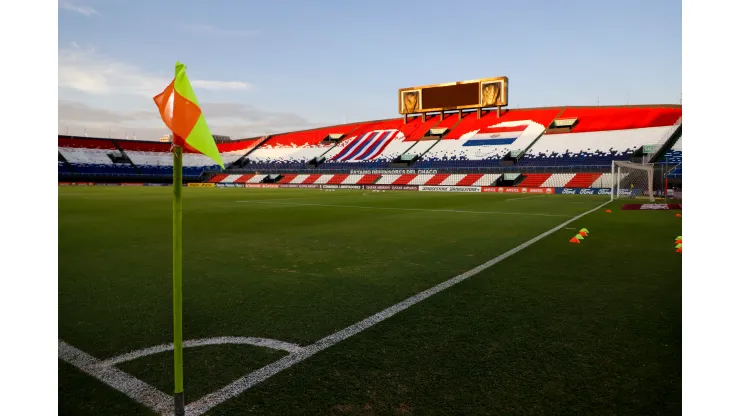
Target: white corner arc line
535	214
257	342
131	386
207	402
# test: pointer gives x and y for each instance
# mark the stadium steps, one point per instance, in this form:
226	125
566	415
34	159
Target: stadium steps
66	162
246	155
337	179
218	177
125	156
449	130
582	180
558	180
667	145
437	179
287	178
311	179
404	179
534	180
368	179
244	178
532	143
470	179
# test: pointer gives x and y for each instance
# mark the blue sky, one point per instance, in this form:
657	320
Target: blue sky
269	66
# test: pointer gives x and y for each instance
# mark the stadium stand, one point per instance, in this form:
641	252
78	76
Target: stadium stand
111	157
601	135
551	147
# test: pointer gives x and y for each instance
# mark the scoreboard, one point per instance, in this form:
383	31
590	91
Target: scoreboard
479	93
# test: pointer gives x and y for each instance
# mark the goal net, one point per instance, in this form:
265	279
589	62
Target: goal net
633	181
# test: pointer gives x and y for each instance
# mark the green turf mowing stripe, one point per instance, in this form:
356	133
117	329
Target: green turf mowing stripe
536	214
239	386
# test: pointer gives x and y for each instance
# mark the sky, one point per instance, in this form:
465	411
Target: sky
263	67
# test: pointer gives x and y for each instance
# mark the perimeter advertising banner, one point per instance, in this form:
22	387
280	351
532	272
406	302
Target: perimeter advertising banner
392	187
507	189
261	185
201	185
583	191
341	186
76	183
230	185
450	188
298	185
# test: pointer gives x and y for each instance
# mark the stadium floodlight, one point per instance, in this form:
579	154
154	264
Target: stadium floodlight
632	180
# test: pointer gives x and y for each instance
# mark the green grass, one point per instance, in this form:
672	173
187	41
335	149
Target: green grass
555	329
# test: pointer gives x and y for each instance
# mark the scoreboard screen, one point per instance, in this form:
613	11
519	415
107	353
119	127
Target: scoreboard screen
451	96
488	92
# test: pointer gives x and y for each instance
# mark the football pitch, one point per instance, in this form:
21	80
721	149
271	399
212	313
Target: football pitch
353	302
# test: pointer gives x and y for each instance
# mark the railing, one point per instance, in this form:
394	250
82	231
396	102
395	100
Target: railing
664	139
459	169
673	169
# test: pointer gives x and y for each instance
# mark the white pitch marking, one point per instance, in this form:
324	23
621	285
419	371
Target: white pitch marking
526	197
536	214
119	380
257	342
240	385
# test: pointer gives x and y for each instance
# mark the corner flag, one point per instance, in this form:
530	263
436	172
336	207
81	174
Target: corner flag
180	112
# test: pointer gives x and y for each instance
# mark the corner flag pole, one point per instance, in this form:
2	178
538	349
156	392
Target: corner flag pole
180	111
177	276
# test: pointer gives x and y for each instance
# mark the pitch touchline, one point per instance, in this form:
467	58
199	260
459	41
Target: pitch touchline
536	214
239	386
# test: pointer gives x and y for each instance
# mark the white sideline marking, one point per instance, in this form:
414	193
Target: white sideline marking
258	342
526	197
237	387
119	380
536	214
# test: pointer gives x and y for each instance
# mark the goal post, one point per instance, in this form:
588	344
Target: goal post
633	180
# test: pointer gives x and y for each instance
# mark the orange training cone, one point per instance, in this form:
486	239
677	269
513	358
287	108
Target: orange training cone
678	215
583	233
575	240
608	210
679	250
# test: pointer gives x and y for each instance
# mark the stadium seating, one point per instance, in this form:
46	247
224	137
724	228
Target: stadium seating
297	148
129	157
602	135
468	153
673	156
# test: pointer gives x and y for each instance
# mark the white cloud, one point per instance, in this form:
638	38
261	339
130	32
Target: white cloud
217	31
89	72
230	119
83	10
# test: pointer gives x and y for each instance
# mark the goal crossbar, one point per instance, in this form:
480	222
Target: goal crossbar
642	174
